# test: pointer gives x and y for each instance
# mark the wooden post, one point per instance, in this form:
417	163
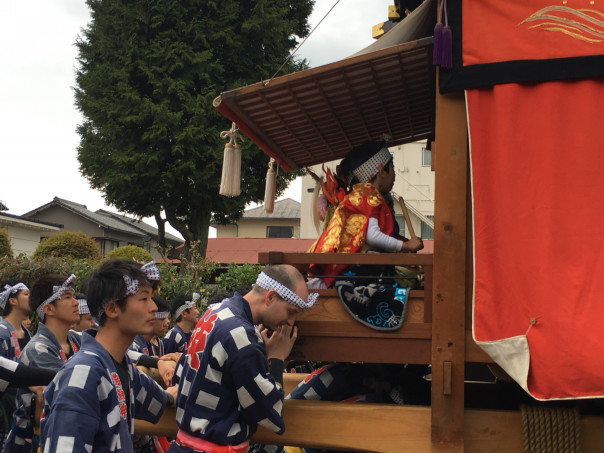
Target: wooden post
450	158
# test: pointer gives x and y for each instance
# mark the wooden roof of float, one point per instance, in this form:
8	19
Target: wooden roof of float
319	114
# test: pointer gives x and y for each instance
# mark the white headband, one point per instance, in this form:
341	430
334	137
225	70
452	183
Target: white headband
8	290
187	305
83	308
57	292
161	314
266	282
151	271
367	170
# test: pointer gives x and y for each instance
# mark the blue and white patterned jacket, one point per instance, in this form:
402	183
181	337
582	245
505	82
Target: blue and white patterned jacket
43	351
8	336
176	340
85	406
225	388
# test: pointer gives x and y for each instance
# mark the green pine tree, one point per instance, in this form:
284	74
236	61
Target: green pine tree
148	72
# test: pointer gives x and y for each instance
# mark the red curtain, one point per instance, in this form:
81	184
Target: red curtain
538	199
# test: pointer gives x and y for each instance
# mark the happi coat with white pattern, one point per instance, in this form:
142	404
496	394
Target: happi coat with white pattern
85	407
225	388
42	351
176	340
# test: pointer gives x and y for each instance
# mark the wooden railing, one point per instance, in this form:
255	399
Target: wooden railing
326	332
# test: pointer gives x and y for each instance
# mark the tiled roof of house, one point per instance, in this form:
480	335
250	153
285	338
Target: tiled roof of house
136	223
80	209
6	215
284	209
245	250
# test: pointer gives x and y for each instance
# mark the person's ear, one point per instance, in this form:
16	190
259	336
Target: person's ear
111	309
269	296
48	310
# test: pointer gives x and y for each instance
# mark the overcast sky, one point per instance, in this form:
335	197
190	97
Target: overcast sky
38	119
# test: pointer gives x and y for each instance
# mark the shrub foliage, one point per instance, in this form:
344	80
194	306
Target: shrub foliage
68	244
5	248
132	252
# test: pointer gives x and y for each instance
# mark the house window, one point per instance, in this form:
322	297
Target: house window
401	224
279	231
426	157
427	231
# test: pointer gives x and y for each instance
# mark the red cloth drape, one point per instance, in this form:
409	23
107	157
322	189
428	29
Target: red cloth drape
538	194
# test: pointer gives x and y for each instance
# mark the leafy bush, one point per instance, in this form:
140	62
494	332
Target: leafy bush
68	244
5	248
193	275
238	275
29	270
132	252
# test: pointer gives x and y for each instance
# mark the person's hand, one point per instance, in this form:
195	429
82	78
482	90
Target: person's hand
281	342
413	245
39	391
174	356
165	369
172	391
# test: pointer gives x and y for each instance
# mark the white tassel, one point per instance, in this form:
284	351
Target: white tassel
230	182
228	164
271	188
236	169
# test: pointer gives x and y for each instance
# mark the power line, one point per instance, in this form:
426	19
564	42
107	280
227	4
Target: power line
300	45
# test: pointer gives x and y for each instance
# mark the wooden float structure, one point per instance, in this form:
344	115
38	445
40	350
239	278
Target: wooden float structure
315	116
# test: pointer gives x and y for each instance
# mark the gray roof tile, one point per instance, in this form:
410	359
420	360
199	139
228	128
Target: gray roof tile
284	209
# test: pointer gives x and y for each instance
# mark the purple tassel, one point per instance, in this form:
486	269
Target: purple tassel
446	56
438	37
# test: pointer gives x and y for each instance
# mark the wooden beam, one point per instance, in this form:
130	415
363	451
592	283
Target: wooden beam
276	257
449	290
388	428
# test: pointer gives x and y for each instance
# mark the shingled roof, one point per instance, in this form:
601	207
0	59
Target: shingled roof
106	219
136	223
283	209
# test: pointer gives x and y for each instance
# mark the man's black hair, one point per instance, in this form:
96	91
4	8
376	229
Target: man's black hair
43	288
178	302
8	307
162	304
355	158
106	283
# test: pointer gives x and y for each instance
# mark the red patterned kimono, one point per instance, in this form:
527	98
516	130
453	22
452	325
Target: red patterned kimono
347	229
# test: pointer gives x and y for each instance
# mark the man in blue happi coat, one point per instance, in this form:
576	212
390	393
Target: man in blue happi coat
230	378
91	403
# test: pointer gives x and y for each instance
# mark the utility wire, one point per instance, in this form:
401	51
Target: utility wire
300	45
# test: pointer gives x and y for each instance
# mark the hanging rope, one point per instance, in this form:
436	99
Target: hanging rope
551	429
230	182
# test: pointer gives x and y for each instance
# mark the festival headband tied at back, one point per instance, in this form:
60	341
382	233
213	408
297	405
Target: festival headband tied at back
8	290
57	292
187	305
151	272
368	169
266	282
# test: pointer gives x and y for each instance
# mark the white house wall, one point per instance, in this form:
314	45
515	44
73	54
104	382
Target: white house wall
24	240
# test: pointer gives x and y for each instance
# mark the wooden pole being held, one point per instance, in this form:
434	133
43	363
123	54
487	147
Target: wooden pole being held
407	219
